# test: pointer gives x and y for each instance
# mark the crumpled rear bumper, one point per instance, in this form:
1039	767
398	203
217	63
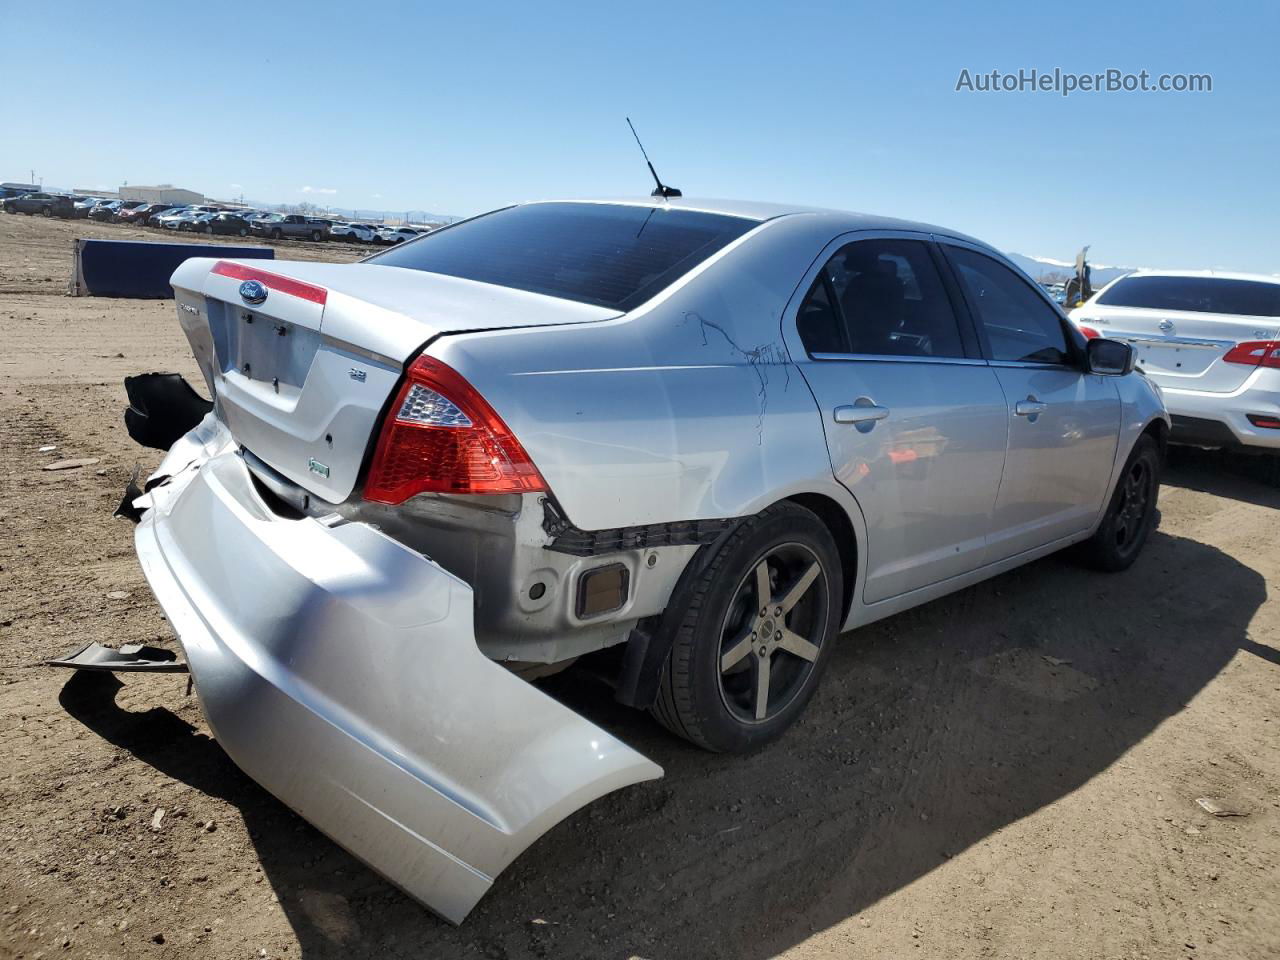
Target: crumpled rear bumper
339	669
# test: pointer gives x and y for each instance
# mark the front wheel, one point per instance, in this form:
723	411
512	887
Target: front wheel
243	232
752	632
1131	515
47	211
275	234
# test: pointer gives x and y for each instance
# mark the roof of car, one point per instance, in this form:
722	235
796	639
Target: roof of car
755	210
1218	274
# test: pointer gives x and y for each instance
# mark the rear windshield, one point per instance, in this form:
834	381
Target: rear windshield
604	254
1248	298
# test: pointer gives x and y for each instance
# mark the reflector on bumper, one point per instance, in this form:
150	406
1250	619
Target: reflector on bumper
339	669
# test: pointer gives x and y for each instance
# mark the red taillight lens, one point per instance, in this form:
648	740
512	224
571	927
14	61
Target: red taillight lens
1255	353
441	436
1090	333
1267	423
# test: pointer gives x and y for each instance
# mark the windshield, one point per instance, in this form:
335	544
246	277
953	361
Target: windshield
1247	298
609	255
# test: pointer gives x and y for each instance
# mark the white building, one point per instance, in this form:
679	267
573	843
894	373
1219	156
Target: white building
163	193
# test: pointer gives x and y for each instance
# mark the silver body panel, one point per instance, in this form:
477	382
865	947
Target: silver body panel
344	657
338	668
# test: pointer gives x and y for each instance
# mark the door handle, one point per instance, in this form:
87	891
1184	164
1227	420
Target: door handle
864	410
1030	407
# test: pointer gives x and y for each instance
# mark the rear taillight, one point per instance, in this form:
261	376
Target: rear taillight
1255	353
1090	333
441	436
1267	423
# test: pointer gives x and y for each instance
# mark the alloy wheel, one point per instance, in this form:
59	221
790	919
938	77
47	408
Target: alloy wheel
772	632
1134	505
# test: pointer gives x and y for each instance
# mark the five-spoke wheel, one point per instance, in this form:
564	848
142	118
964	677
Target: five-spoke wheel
751	627
771	639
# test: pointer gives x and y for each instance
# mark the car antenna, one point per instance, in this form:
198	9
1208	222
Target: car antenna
662	190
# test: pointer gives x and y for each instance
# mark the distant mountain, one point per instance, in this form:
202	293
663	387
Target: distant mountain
1037	267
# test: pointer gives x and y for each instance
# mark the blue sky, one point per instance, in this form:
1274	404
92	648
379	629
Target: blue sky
459	107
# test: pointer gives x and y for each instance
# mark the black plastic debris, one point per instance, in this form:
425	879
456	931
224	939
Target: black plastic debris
129	658
131	493
162	407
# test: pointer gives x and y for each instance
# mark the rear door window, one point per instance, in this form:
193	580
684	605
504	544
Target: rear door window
1019	326
880	297
1244	298
610	255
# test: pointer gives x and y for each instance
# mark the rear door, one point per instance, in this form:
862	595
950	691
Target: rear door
914	417
1063	423
1183	326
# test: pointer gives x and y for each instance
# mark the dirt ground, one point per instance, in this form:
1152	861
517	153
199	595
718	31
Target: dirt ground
1008	772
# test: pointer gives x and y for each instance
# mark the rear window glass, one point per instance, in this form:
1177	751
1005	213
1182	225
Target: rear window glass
1248	298
604	254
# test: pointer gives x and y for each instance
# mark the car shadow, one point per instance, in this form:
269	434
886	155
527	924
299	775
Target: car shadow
1248	478
932	730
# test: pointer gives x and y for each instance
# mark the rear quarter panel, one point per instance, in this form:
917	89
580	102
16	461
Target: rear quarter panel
687	408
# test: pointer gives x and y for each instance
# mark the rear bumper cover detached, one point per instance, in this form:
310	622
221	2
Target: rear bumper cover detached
339	669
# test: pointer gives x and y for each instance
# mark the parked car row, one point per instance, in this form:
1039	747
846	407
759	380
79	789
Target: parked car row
209	218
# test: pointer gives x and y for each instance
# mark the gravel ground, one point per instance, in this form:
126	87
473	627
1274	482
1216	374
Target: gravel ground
1008	772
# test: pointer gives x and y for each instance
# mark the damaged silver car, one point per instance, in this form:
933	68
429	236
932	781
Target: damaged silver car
688	441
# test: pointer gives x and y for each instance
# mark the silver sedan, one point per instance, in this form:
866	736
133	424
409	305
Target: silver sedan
692	440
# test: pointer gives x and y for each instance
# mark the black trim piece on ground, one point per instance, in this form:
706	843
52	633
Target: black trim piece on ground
129	658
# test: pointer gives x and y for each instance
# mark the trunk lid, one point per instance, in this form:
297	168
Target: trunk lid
1182	349
302	366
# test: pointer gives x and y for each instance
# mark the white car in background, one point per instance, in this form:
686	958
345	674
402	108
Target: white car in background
390	236
1211	341
184	218
352	232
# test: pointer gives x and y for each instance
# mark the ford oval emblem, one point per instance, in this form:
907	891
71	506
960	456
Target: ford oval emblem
252	291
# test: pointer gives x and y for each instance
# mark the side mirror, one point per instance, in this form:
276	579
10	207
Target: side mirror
1109	358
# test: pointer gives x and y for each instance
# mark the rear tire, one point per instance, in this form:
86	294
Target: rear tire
47	211
275	234
733	645
1131	515
315	236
